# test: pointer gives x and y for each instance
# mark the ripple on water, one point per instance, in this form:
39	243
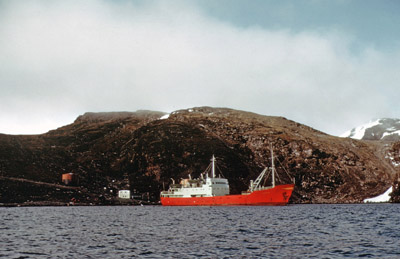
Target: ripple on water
298	231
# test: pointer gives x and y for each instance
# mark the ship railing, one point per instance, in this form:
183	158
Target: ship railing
259	189
176	185
170	191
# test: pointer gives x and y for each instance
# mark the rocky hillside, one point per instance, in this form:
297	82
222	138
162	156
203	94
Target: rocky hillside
142	152
383	130
90	148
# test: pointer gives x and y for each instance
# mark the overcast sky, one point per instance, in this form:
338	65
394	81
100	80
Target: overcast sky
331	65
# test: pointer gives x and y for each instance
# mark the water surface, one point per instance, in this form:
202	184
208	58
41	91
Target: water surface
294	231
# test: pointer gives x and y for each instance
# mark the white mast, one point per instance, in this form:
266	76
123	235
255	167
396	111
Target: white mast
273	167
213	167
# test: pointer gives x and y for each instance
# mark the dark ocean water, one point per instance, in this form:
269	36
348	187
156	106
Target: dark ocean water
295	231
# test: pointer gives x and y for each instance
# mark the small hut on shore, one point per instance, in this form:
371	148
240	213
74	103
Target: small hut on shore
124	194
67	178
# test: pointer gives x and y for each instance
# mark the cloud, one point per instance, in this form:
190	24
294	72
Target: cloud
62	58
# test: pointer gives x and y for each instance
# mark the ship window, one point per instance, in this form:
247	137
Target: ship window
219	183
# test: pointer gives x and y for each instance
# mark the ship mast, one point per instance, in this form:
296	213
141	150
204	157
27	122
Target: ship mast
213	167
272	167
256	184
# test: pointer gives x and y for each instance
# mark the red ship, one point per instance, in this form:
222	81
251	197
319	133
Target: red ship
214	191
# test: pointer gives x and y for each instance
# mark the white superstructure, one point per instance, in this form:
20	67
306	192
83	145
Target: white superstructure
203	187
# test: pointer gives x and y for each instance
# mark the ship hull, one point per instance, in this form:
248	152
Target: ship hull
278	195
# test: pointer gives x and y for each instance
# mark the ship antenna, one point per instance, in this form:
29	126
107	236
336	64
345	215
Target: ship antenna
273	166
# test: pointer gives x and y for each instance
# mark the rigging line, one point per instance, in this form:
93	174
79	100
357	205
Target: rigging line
277	176
220	170
266	178
207	169
284	169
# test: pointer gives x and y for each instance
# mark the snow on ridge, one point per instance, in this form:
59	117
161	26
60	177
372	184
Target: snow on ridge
164	117
346	134
359	132
384	197
391	133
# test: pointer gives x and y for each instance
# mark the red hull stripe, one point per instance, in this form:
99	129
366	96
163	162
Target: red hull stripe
279	195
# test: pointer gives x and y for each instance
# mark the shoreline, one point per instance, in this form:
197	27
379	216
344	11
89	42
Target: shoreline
74	204
79	204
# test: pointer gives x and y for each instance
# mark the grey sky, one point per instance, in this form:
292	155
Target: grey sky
328	64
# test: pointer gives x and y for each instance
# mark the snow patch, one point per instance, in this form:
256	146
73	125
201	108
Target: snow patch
381	198
392	160
359	132
164	117
346	134
391	133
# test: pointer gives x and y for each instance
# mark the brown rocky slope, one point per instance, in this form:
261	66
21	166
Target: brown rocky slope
140	151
